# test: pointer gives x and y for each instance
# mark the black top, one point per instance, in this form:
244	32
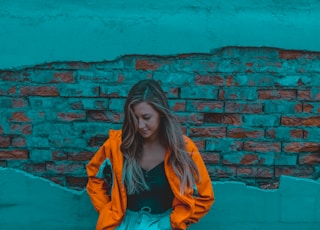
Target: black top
158	198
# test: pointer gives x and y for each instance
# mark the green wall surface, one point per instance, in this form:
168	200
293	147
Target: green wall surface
29	202
38	31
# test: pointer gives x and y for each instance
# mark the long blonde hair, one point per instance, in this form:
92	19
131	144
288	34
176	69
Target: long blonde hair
169	130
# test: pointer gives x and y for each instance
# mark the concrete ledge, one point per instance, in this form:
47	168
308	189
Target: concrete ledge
29	202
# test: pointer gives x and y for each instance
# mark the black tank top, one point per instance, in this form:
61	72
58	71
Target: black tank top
158	198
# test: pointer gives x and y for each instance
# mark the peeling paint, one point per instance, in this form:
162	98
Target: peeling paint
30	202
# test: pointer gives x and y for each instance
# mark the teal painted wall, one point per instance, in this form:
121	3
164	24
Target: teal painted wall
36	31
28	202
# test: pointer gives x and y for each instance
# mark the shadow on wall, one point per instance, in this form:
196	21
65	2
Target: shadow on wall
29	202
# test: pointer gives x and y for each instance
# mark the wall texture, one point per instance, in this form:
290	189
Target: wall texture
253	112
41	31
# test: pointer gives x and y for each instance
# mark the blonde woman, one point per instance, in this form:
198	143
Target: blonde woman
148	175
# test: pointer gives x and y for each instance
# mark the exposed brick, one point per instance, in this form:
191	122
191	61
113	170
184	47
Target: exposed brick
59	155
39	91
209	80
65	168
146	64
302	147
14	154
304	95
80	156
190	118
230	119
255	172
245	133
19	128
285	94
4	141
211	131
243	158
260	146
71	116
177	105
18	142
63	77
310	159
303	171
205	106
284	133
293	54
219	172
238	93
243	107
210	158
19	117
97	115
201	144
300	121
76	182
37	168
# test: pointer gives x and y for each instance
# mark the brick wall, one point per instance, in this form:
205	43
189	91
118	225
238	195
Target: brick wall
253	112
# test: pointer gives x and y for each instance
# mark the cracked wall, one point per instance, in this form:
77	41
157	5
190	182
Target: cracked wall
30	202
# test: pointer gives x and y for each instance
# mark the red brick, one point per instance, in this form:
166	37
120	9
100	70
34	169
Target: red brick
285	94
310	159
294	54
4	141
218	172
303	147
80	156
63	77
245	133
306	172
19	142
209	80
211	131
39	91
210	158
304	94
300	121
249	159
14	154
147	65
76	182
200	144
71	116
230	119
204	106
19	117
240	107
65	168
36	168
58	156
262	146
255	172
20	129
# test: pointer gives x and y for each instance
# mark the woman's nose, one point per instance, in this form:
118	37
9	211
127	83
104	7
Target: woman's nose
141	124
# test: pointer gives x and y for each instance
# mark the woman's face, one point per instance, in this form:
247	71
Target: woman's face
148	120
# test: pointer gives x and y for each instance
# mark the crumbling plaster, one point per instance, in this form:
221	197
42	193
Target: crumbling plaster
38	31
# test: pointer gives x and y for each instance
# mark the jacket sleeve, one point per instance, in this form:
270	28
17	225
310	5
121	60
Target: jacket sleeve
203	191
97	188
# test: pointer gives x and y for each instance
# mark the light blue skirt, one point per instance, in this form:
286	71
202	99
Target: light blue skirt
144	220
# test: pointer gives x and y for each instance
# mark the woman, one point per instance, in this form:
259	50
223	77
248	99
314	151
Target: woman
158	178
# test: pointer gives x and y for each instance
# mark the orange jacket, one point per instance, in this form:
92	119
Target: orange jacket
186	209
